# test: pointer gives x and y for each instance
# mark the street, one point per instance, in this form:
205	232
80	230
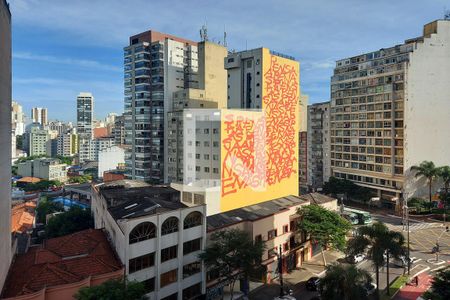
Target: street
423	237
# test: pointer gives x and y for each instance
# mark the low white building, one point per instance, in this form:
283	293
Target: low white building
45	168
89	149
157	238
110	159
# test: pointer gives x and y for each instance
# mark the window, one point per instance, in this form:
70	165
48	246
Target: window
216	170
191	246
170	225
258	238
141	262
216	144
149	285
168	277
207	169
171	297
285	228
191	269
285	247
193	219
206	144
192	292
142	232
271	234
169	253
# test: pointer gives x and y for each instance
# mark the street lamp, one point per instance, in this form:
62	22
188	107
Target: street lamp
406	209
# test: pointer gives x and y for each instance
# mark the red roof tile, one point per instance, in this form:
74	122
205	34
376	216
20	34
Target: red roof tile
62	260
22	216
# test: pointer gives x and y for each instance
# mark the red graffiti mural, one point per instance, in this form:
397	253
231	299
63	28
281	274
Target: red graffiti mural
261	150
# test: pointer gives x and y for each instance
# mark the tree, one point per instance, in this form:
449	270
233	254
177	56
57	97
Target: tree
344	283
325	227
428	170
113	289
440	287
336	186
65	159
232	254
379	242
80	179
76	219
444	174
45	208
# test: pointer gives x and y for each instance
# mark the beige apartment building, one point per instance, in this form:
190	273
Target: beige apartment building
390	110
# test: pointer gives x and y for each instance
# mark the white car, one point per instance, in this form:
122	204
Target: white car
357	258
370	288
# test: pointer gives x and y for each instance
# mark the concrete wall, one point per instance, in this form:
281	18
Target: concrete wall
427	107
109	159
5	138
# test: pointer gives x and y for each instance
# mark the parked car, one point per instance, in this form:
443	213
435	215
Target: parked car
356	258
312	284
370	288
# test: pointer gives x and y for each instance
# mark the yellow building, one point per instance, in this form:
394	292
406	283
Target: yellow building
247	153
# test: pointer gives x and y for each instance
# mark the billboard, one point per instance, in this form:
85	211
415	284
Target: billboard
259	154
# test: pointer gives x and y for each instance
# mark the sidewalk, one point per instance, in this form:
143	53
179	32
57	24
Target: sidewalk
411	292
295	279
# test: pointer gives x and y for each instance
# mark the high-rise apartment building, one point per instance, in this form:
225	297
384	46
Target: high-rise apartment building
37	141
39	115
118	130
390	110
318	151
5	137
156	66
17	119
67	144
85	115
303	160
212	95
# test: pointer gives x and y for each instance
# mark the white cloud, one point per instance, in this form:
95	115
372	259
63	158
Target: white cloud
65	60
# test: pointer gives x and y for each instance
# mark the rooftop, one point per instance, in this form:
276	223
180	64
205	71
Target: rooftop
132	199
62	260
253	212
317	198
22	216
29	179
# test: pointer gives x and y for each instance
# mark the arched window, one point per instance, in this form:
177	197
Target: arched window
170	225
142	232
193	219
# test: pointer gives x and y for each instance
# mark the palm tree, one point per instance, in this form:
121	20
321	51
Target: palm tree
444	173
377	240
428	170
344	283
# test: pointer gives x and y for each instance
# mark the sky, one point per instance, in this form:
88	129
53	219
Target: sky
62	48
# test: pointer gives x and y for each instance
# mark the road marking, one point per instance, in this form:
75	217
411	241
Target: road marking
421	271
437	269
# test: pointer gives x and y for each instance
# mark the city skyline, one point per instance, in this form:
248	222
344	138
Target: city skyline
78	56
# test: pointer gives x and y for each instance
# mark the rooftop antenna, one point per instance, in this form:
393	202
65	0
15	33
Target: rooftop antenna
224	37
204	33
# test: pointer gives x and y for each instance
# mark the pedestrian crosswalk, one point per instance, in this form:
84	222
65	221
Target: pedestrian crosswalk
414	226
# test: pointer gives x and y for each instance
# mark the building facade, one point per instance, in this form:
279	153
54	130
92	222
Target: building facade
39	115
380	117
318	145
111	158
85	115
67	144
157	238
5	137
17	119
90	148
247	153
303	160
44	168
156	65
118	131
37	140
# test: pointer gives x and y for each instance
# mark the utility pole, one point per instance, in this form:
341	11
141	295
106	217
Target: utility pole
407	228
280	268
